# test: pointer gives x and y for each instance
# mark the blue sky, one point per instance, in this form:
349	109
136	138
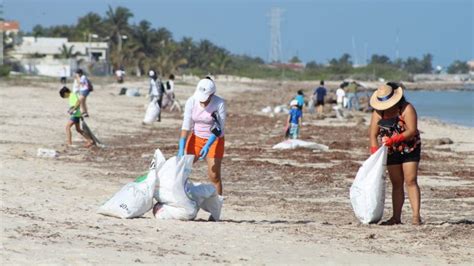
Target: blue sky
313	30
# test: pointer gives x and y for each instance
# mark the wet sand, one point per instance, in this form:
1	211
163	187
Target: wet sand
281	207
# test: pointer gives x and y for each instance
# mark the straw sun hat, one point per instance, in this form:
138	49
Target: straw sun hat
385	97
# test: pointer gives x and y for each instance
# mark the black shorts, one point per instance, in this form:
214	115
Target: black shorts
318	102
400	158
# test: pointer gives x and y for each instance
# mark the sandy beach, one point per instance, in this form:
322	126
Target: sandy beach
281	207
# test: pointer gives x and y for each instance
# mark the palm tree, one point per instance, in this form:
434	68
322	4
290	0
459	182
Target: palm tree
117	22
67	52
88	24
220	62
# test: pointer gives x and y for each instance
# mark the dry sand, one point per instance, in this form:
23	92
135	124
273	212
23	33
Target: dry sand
280	207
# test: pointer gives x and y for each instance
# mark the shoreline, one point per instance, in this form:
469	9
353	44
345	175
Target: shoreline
331	84
288	207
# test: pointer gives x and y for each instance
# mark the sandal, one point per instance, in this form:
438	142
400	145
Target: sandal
391	221
85	114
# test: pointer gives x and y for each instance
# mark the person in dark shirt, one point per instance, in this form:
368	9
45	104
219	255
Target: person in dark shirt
318	96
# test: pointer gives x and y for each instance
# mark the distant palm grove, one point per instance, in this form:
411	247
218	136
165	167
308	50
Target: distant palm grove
139	47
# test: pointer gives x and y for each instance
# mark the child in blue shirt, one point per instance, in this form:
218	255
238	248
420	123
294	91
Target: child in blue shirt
300	99
294	120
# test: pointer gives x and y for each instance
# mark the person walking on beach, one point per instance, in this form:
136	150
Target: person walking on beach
168	97
352	99
319	94
394	123
294	120
64	75
156	90
202	132
300	99
83	85
75	116
340	94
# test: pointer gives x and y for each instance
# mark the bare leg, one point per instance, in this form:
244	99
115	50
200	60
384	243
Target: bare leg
89	142
410	171
82	100
214	173
68	132
398	194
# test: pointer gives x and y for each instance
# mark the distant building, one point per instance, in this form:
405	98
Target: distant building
50	56
10	27
44	47
292	66
471	66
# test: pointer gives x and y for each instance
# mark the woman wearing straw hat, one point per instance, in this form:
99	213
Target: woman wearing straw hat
394	123
202	132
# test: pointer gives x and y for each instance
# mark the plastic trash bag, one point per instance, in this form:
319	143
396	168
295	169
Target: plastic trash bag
173	201
136	198
207	198
367	192
297	143
152	112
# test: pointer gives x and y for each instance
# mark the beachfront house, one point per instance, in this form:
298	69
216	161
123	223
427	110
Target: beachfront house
49	56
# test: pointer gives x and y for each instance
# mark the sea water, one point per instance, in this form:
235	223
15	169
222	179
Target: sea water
451	106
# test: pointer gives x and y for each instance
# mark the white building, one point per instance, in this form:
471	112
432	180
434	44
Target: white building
52	47
41	55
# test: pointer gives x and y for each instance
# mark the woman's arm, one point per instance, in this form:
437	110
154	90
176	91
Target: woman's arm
188	123
222	111
374	129
411	122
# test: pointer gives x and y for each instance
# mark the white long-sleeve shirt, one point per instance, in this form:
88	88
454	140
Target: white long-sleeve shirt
199	119
155	88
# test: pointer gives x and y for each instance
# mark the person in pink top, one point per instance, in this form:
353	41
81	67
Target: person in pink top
202	133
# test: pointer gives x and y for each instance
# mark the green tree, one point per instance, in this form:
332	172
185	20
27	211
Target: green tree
313	65
117	23
458	67
380	60
67	52
91	23
295	60
39	31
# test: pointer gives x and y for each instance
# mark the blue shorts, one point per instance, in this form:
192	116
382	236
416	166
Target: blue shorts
74	119
84	92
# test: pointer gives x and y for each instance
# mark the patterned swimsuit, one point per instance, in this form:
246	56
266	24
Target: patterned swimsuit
405	151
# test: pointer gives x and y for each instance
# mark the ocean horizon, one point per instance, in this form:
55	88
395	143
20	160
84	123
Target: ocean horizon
451	106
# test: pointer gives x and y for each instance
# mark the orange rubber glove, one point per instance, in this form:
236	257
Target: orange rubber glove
373	149
394	139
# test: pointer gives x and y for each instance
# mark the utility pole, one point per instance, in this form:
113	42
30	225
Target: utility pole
275	35
1	32
354	51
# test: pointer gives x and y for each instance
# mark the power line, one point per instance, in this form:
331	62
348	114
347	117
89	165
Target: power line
275	34
1	32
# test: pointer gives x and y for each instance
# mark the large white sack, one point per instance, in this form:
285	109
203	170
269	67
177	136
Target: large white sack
152	112
207	198
171	195
297	143
136	198
367	193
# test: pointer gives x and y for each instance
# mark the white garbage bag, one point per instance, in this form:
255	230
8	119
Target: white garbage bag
136	198
207	198
367	193
297	143
152	112
173	201
311	106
